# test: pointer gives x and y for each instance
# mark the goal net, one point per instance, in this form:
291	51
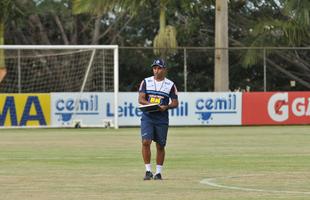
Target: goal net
76	70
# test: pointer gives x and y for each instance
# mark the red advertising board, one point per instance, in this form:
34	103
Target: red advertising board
275	108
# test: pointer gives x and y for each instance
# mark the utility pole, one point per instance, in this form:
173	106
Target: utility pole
221	67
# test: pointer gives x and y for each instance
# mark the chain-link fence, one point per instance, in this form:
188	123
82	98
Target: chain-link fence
250	69
191	68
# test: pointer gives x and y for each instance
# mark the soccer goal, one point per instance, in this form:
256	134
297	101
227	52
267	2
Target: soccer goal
74	70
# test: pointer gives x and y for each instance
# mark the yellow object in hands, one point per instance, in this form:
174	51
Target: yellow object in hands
155	100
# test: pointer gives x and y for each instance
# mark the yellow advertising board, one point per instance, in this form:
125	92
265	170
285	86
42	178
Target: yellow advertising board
25	109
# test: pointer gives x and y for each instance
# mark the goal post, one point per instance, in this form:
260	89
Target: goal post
78	69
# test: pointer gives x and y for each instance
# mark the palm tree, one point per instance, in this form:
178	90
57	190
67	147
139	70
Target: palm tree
221	71
95	7
300	10
291	29
164	41
4	6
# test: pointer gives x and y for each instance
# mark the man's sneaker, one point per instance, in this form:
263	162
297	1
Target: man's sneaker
148	175
157	177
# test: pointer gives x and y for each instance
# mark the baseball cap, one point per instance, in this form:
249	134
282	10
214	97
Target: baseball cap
159	62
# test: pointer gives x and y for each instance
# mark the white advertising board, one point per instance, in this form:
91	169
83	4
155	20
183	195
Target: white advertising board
207	108
67	108
195	108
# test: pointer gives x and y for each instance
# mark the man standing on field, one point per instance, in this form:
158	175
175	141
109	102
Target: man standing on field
154	125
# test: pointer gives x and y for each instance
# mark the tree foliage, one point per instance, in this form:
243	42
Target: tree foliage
253	23
287	26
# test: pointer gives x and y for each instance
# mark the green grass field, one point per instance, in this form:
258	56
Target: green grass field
78	164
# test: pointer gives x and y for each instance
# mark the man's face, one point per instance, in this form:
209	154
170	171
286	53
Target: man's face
159	72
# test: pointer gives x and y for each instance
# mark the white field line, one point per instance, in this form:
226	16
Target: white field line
53	158
212	182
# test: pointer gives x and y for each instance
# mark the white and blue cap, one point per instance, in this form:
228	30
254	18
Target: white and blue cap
159	62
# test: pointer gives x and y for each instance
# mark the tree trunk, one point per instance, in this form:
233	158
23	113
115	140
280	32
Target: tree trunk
61	28
113	25
35	19
221	69
287	73
120	30
162	28
74	31
96	30
20	37
296	62
162	17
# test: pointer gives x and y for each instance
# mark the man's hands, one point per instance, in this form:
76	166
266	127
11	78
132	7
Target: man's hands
174	103
142	100
163	108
